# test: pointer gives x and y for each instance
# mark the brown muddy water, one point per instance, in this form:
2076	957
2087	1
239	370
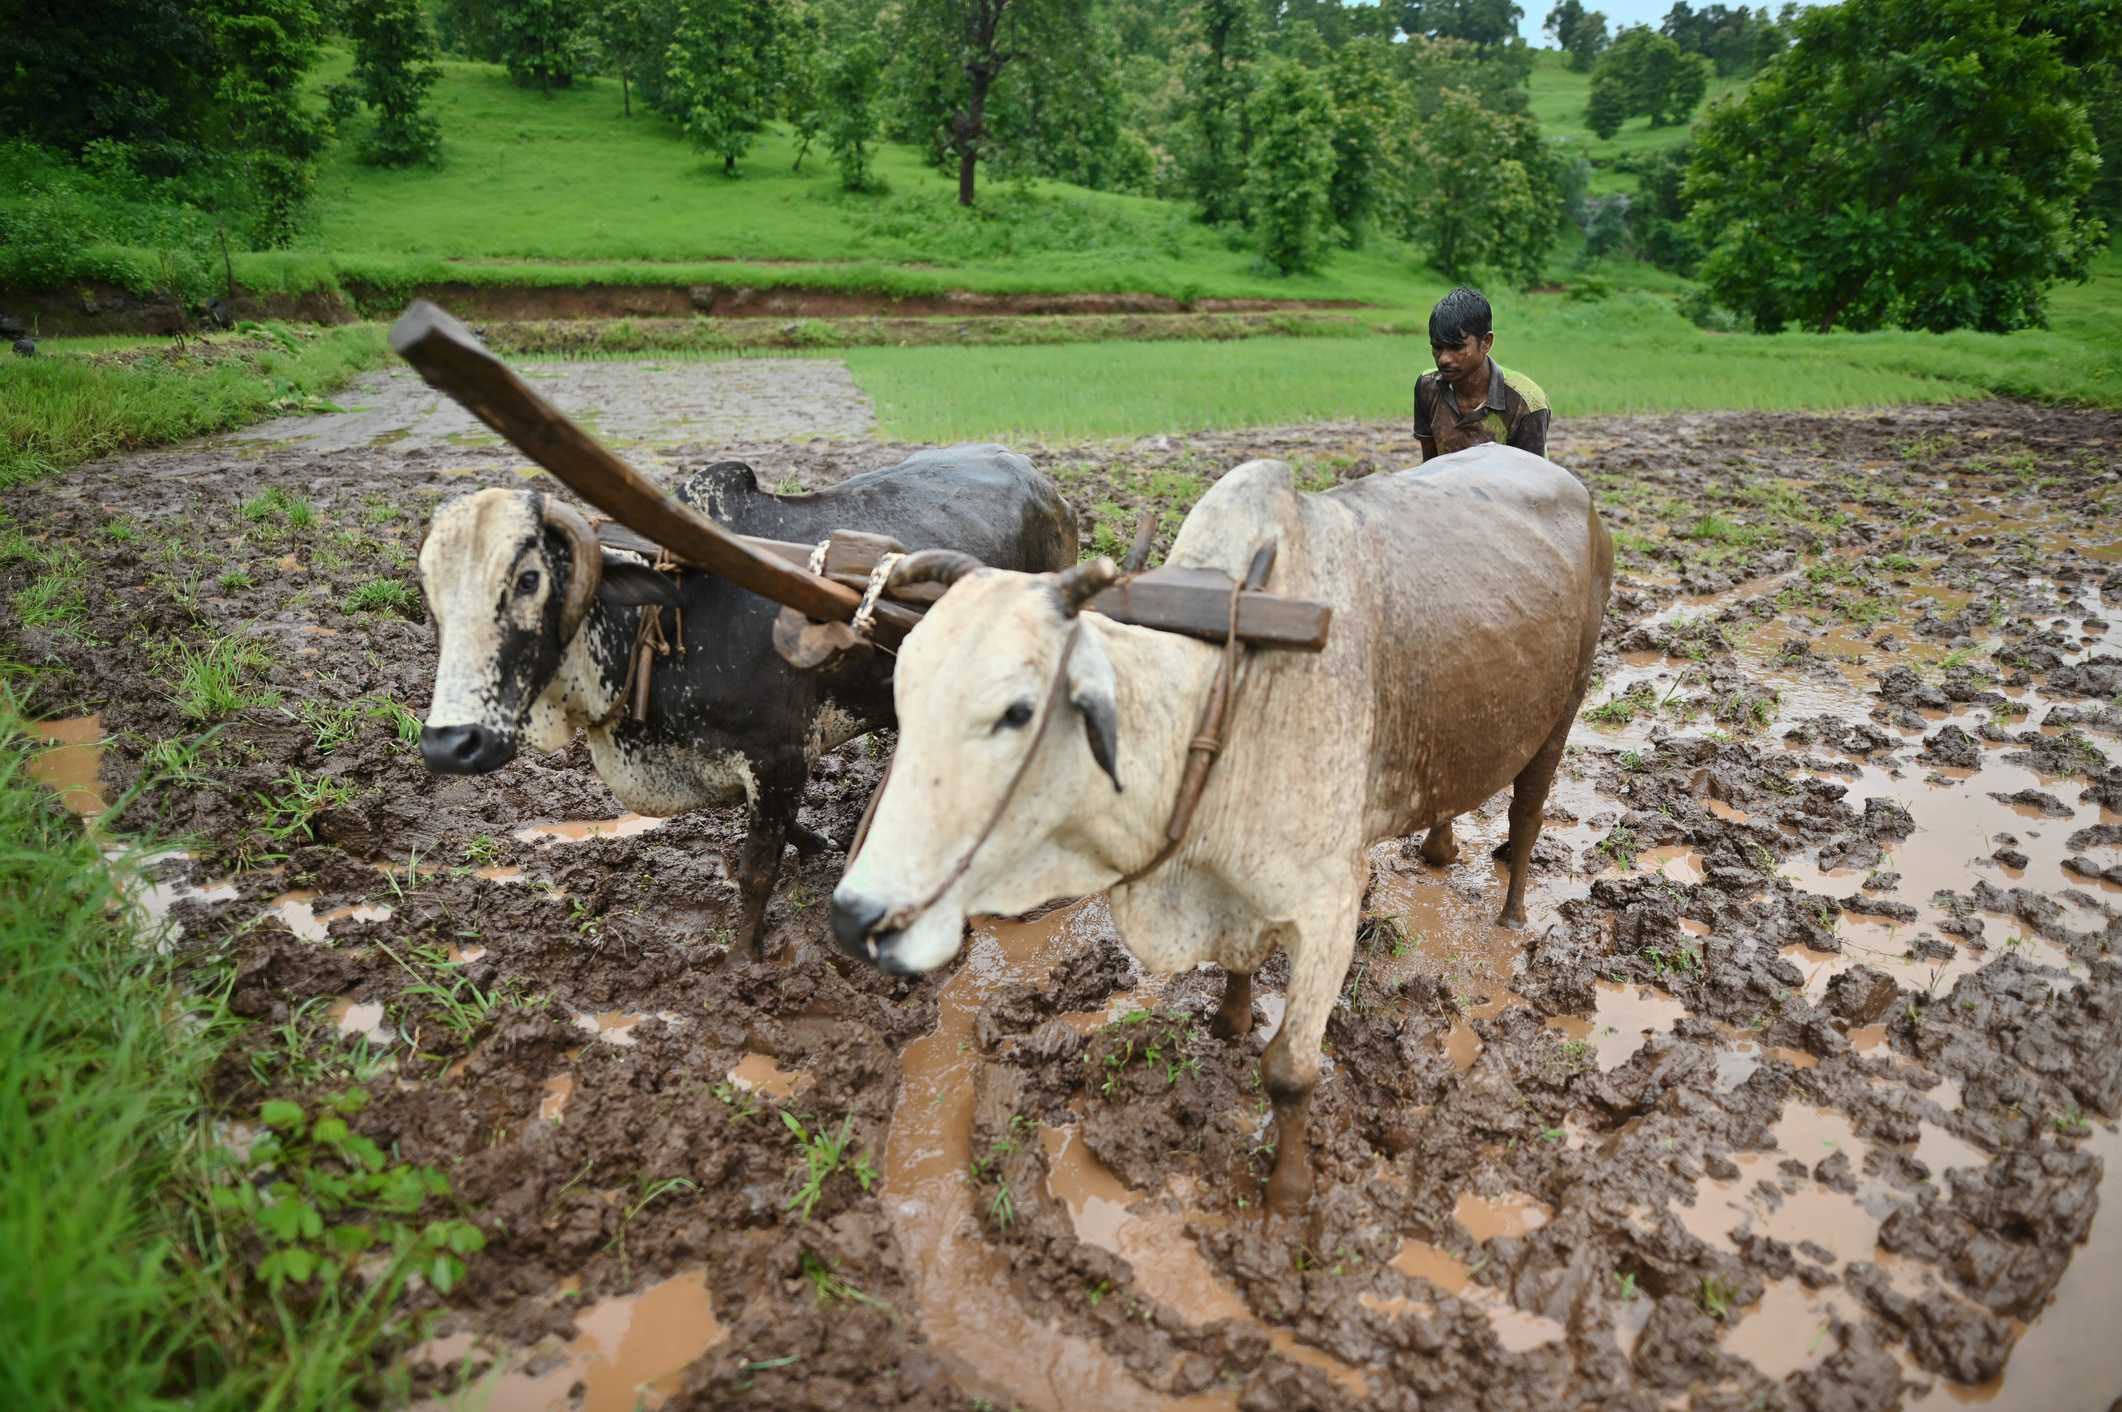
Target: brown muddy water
1800	1091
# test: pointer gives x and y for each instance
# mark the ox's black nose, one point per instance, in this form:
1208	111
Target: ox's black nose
854	926
464	750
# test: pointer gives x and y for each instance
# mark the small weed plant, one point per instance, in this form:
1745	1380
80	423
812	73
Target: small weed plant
217	681
823	1154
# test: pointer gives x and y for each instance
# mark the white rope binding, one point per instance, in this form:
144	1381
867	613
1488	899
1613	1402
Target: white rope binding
866	612
817	557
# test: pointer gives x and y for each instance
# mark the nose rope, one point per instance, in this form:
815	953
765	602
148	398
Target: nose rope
905	914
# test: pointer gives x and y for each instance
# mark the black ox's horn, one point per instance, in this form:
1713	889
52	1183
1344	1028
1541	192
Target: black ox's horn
944	566
588	565
1080	583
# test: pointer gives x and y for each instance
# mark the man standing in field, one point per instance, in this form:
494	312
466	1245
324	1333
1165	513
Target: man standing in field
1470	399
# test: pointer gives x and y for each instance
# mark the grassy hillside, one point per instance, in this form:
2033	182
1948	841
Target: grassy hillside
1558	101
571	179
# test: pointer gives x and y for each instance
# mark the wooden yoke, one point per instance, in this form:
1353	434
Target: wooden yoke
447	355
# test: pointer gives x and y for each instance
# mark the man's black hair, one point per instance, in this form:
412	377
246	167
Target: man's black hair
1459	315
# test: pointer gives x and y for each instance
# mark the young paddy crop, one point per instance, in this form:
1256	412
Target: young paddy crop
1800	1090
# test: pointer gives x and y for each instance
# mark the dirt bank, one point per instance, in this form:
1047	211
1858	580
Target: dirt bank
94	308
1800	1092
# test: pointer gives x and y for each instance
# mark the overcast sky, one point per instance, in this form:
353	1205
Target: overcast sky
1620	14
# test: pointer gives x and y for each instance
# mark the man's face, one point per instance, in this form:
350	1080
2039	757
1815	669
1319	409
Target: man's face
1456	363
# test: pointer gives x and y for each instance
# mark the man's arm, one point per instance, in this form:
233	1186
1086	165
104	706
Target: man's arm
1423	431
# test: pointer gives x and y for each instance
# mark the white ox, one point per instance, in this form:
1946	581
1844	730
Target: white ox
1467	600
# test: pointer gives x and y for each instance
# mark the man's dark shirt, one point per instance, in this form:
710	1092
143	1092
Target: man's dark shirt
1515	413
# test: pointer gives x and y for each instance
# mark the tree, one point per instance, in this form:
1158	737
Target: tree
1657	218
633	38
1738	41
267	47
394	67
1920	163
1485	23
1290	170
1581	33
721	66
541	41
139	72
1223	39
1648	73
1369	109
801	66
1483	192
1608	108
852	76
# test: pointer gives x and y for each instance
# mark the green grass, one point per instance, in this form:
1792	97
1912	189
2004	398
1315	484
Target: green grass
58	411
525	181
1627	354
96	1085
1558	101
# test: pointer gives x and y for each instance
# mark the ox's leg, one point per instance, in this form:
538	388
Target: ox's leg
1234	1017
1319	952
1528	809
773	813
808	841
1439	848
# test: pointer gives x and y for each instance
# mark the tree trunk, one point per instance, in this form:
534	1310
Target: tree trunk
965	174
626	93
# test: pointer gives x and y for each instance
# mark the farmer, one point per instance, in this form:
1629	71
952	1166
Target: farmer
1470	399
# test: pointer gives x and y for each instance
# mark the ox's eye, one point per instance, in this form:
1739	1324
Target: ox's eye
1016	717
527	581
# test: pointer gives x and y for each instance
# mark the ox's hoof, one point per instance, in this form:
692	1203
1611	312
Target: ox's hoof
1289	1190
1439	848
1514	919
1224	1025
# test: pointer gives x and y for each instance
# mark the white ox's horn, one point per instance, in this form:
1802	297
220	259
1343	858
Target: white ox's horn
588	566
944	566
1080	583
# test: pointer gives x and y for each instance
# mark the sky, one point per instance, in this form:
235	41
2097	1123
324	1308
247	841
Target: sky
1620	14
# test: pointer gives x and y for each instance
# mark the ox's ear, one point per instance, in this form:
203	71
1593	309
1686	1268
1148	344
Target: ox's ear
1091	691
628	584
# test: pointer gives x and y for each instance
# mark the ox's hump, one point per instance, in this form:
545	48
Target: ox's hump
711	488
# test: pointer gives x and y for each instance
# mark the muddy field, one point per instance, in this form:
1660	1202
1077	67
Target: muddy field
1799	1093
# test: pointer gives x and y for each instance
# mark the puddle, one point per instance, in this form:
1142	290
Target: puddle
629	1353
1845	1224
1511	1214
968	1311
365	1019
758	1071
295	912
1789	1328
2069	1359
1515	1329
558	1090
1625	1015
617	1026
71	762
580	830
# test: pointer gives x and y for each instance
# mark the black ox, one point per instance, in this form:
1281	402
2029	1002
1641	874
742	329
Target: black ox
531	648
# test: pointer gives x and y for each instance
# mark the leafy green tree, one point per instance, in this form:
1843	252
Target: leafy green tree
801	66
1608	108
1223	43
394	52
1369	112
1737	41
542	41
1920	163
1485	23
1289	181
633	35
137	72
721	66
853	74
952	56
1581	33
1483	192
1651	74
1430	68
1657	218
267	48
